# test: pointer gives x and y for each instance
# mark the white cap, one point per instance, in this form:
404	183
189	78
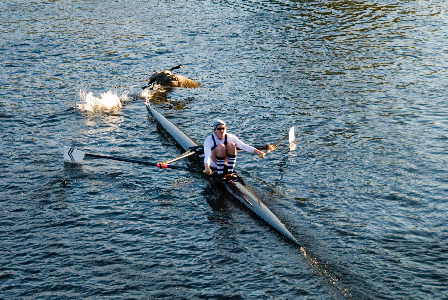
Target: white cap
217	122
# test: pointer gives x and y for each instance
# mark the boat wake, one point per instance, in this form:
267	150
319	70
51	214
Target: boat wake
107	102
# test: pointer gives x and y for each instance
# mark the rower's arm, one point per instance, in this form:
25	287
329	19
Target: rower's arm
242	145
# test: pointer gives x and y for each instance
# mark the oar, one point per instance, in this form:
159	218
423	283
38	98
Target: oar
183	155
291	139
74	155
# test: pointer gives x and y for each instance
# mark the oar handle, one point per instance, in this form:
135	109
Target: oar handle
268	147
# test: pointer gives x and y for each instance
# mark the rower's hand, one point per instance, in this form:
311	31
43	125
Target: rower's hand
261	154
207	171
271	147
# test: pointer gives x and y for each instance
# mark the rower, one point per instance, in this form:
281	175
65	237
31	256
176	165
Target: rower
220	150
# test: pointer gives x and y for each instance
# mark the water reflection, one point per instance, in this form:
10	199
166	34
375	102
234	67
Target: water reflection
216	194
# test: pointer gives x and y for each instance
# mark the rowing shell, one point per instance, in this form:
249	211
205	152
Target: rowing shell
236	186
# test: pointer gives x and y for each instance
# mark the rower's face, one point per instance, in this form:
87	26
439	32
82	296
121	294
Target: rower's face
220	131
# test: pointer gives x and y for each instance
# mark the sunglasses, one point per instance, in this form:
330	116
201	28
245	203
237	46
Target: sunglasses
220	128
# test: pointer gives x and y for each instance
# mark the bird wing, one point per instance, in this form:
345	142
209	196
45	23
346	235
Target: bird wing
184	82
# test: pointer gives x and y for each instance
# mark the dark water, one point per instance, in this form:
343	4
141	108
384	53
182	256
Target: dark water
364	82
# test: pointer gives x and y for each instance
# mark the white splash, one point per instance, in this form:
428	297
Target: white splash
107	102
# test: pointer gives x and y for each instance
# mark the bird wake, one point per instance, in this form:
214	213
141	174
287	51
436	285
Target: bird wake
108	102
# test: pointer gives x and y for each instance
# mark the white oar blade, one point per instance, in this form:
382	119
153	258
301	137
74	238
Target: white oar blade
72	155
292	139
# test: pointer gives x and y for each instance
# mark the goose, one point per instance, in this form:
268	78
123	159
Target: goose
167	79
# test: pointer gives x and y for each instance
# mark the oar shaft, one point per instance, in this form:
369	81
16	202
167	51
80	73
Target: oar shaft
274	146
266	147
141	162
120	159
186	154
